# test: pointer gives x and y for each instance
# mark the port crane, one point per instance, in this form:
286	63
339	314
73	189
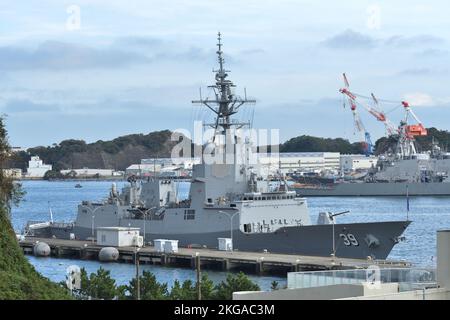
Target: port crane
359	126
405	132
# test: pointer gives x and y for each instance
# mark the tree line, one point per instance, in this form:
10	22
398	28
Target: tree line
123	151
100	285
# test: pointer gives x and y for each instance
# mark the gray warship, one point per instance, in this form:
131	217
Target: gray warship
227	199
401	170
396	174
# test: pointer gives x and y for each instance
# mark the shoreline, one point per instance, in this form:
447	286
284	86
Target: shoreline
74	179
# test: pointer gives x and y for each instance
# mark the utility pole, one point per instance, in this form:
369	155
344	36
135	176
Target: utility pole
138	281
199	278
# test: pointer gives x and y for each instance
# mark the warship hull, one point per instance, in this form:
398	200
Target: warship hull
376	189
354	240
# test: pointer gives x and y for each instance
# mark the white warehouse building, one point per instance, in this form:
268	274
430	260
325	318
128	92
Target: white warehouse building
289	162
37	168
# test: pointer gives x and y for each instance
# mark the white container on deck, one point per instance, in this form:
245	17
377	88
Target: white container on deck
171	246
117	236
225	244
159	244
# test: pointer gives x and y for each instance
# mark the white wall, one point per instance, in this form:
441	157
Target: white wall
430	294
299	161
356	162
36	168
339	291
116	238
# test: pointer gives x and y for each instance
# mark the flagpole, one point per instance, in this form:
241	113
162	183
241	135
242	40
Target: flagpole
407	203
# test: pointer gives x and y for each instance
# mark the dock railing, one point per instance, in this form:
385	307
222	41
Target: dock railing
407	278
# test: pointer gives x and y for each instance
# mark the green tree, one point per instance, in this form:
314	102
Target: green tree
53	175
98	285
10	192
207	287
306	143
185	291
150	288
233	283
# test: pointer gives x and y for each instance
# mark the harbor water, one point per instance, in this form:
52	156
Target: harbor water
428	214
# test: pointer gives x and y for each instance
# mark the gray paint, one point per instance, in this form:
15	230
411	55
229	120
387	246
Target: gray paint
275	220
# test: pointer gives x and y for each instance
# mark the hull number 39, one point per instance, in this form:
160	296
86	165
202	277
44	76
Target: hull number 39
349	239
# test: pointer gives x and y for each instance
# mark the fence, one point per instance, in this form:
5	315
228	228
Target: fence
407	278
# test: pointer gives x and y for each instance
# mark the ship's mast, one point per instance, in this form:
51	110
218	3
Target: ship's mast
225	103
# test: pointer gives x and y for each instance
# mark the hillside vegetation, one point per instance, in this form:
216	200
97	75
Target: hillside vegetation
314	144
116	154
442	137
123	151
18	279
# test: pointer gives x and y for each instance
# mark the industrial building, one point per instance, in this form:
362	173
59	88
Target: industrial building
290	162
148	167
355	162
86	172
37	168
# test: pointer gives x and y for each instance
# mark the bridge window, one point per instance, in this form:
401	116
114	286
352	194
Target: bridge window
189	214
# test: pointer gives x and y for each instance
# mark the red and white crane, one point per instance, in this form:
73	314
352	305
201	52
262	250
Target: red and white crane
359	126
405	132
378	114
413	130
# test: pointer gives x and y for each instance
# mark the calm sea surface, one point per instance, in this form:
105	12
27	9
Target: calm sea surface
427	213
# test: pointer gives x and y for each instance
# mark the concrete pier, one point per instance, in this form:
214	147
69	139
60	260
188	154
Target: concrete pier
253	262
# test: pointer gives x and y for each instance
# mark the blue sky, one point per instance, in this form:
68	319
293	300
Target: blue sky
134	66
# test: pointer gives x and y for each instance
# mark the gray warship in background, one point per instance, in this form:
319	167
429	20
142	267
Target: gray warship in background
227	198
416	174
400	171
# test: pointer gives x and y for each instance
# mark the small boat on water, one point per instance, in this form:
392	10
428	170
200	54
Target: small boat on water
78	185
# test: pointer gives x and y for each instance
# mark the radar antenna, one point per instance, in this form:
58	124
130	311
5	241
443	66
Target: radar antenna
225	104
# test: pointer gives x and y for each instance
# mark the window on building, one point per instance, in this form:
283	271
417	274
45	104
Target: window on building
189	214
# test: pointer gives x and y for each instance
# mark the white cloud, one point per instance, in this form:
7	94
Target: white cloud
419	99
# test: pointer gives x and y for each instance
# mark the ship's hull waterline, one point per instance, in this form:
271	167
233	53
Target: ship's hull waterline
377	189
351	240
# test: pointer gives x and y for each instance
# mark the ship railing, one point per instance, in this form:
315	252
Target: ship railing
407	278
181	204
31	222
53	224
63	225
